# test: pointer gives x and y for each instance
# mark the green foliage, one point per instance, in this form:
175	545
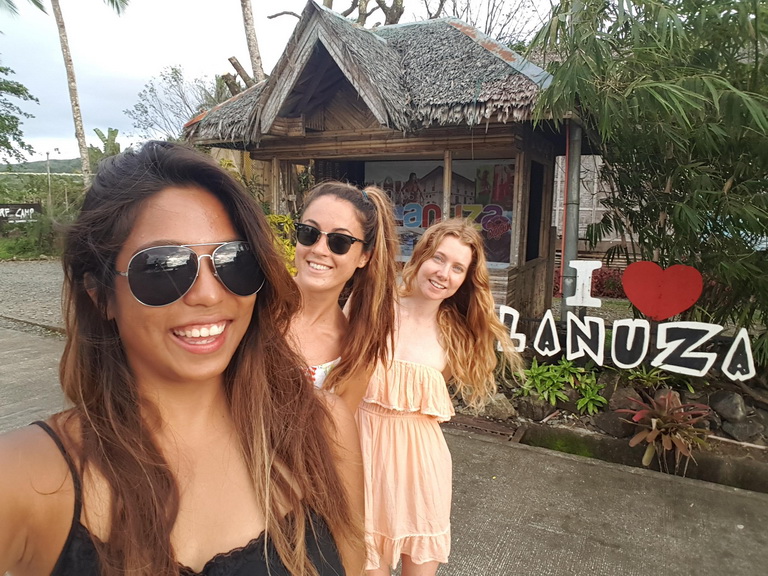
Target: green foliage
71	166
648	377
674	95
590	400
110	146
545	381
668	427
652	378
10	6
28	240
12	145
549	381
253	184
284	229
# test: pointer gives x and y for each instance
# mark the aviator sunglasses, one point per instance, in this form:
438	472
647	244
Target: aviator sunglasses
161	275
337	243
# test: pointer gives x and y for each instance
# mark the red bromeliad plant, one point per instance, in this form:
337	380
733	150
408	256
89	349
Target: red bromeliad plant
668	427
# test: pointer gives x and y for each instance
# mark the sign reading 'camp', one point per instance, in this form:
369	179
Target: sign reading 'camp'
19	213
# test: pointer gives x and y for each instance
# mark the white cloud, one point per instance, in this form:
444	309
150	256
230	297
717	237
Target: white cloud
115	56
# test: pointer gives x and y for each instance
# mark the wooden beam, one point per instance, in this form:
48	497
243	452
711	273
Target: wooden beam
288	126
447	182
299	57
241	72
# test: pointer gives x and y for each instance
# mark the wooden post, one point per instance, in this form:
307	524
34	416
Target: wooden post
447	183
275	178
520	210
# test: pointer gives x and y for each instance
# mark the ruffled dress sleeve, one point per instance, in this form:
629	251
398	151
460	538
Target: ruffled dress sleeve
410	387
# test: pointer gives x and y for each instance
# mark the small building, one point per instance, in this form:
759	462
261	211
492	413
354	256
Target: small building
419	109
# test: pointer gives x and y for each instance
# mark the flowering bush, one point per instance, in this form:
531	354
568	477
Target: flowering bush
606	283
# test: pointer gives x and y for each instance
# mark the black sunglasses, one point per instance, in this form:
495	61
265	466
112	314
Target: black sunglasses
337	243
160	275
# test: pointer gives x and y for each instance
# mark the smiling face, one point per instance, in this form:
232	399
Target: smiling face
440	276
194	338
319	269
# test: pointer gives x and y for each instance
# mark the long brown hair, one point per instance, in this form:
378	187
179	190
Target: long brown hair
283	428
372	288
469	326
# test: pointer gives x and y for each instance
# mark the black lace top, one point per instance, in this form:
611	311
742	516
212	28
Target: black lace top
79	557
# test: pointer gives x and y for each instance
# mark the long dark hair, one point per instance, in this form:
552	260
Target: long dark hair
275	411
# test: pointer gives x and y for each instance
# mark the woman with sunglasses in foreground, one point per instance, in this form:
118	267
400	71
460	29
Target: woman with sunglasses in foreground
195	443
346	243
446	331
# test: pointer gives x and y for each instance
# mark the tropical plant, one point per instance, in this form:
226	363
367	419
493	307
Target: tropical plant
544	381
10	6
118	6
674	95
648	377
668	428
590	400
110	146
284	229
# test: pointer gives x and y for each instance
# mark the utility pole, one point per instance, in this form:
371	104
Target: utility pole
48	170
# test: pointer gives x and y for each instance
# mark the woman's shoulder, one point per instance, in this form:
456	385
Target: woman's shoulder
36	495
31	460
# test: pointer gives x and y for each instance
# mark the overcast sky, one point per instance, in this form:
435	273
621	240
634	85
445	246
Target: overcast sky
115	56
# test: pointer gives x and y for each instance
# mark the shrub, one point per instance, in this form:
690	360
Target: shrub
668	427
284	229
606	283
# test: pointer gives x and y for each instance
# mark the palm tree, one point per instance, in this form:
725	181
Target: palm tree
10	5
250	37
118	6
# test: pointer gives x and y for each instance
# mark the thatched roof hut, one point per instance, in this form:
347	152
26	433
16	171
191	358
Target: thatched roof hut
434	112
436	72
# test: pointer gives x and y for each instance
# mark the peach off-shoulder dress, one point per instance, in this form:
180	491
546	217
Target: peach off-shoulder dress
407	465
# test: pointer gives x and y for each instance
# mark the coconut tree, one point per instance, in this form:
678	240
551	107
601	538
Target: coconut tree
118	6
250	37
10	5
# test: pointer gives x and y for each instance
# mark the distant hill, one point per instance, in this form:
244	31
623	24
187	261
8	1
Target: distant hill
57	166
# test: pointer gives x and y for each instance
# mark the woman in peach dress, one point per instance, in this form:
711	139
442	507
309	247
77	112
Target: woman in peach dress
446	331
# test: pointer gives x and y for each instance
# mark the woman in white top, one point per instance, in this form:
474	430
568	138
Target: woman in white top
346	247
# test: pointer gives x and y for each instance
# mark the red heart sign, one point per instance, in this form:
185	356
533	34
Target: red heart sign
661	294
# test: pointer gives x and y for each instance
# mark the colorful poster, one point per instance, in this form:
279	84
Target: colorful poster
482	191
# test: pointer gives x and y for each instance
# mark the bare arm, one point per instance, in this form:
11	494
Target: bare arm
350	467
36	502
352	389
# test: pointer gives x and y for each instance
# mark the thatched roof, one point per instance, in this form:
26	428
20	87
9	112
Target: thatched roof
457	75
435	72
228	121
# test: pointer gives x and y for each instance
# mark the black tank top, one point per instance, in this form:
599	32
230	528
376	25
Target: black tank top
79	557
